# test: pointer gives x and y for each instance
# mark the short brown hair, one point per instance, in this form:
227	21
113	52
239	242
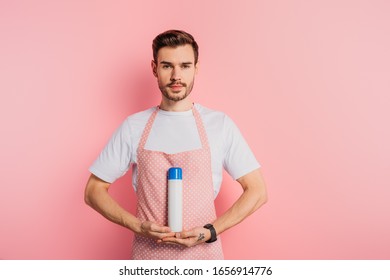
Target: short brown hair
174	38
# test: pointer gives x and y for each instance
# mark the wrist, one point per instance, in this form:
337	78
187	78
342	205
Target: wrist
213	233
136	227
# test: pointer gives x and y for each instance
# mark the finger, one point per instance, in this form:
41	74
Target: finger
182	242
155	231
169	239
157	228
171	243
166	235
166	229
152	227
157	235
185	234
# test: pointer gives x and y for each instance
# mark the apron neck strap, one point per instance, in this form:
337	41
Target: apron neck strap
198	121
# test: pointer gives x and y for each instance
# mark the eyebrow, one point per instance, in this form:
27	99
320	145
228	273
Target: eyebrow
169	63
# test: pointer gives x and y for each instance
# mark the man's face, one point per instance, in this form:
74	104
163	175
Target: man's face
175	71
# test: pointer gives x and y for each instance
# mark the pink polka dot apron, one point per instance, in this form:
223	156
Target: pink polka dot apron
198	196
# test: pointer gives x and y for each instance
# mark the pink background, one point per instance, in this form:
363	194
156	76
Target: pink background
307	82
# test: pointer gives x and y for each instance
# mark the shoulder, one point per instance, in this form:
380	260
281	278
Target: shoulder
207	111
214	117
140	116
211	114
138	119
133	125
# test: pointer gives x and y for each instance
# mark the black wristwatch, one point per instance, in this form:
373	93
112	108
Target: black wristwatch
213	233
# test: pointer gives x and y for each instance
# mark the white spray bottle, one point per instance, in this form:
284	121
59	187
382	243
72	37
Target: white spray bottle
175	199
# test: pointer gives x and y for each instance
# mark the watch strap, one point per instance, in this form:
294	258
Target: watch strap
213	233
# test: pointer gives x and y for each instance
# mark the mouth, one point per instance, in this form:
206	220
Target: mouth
176	86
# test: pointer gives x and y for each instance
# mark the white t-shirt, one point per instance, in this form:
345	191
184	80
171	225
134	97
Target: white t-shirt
174	132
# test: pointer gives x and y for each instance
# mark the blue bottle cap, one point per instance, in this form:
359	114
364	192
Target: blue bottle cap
175	173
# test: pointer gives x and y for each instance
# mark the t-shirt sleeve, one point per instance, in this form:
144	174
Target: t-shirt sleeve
239	159
114	160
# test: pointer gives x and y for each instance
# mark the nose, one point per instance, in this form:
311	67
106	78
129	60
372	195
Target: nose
176	74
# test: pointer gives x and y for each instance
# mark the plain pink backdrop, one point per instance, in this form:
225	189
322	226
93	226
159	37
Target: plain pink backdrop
307	82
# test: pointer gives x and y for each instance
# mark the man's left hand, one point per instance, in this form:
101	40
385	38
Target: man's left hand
189	238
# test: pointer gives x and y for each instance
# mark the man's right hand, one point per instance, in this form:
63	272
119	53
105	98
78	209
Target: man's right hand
152	230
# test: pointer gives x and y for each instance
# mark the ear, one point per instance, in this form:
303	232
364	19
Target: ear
197	67
154	68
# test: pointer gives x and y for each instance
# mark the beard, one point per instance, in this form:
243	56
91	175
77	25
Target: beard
176	95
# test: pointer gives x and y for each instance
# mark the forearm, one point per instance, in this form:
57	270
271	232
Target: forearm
97	196
242	208
252	198
99	199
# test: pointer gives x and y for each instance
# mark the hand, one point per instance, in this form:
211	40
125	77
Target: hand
152	230
189	238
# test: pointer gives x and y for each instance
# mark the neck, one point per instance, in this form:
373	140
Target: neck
176	106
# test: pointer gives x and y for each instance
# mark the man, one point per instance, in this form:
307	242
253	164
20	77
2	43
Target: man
177	133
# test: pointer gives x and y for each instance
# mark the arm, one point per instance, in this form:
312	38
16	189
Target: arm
96	195
253	197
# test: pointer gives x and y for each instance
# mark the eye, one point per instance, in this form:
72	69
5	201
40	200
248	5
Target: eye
166	66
